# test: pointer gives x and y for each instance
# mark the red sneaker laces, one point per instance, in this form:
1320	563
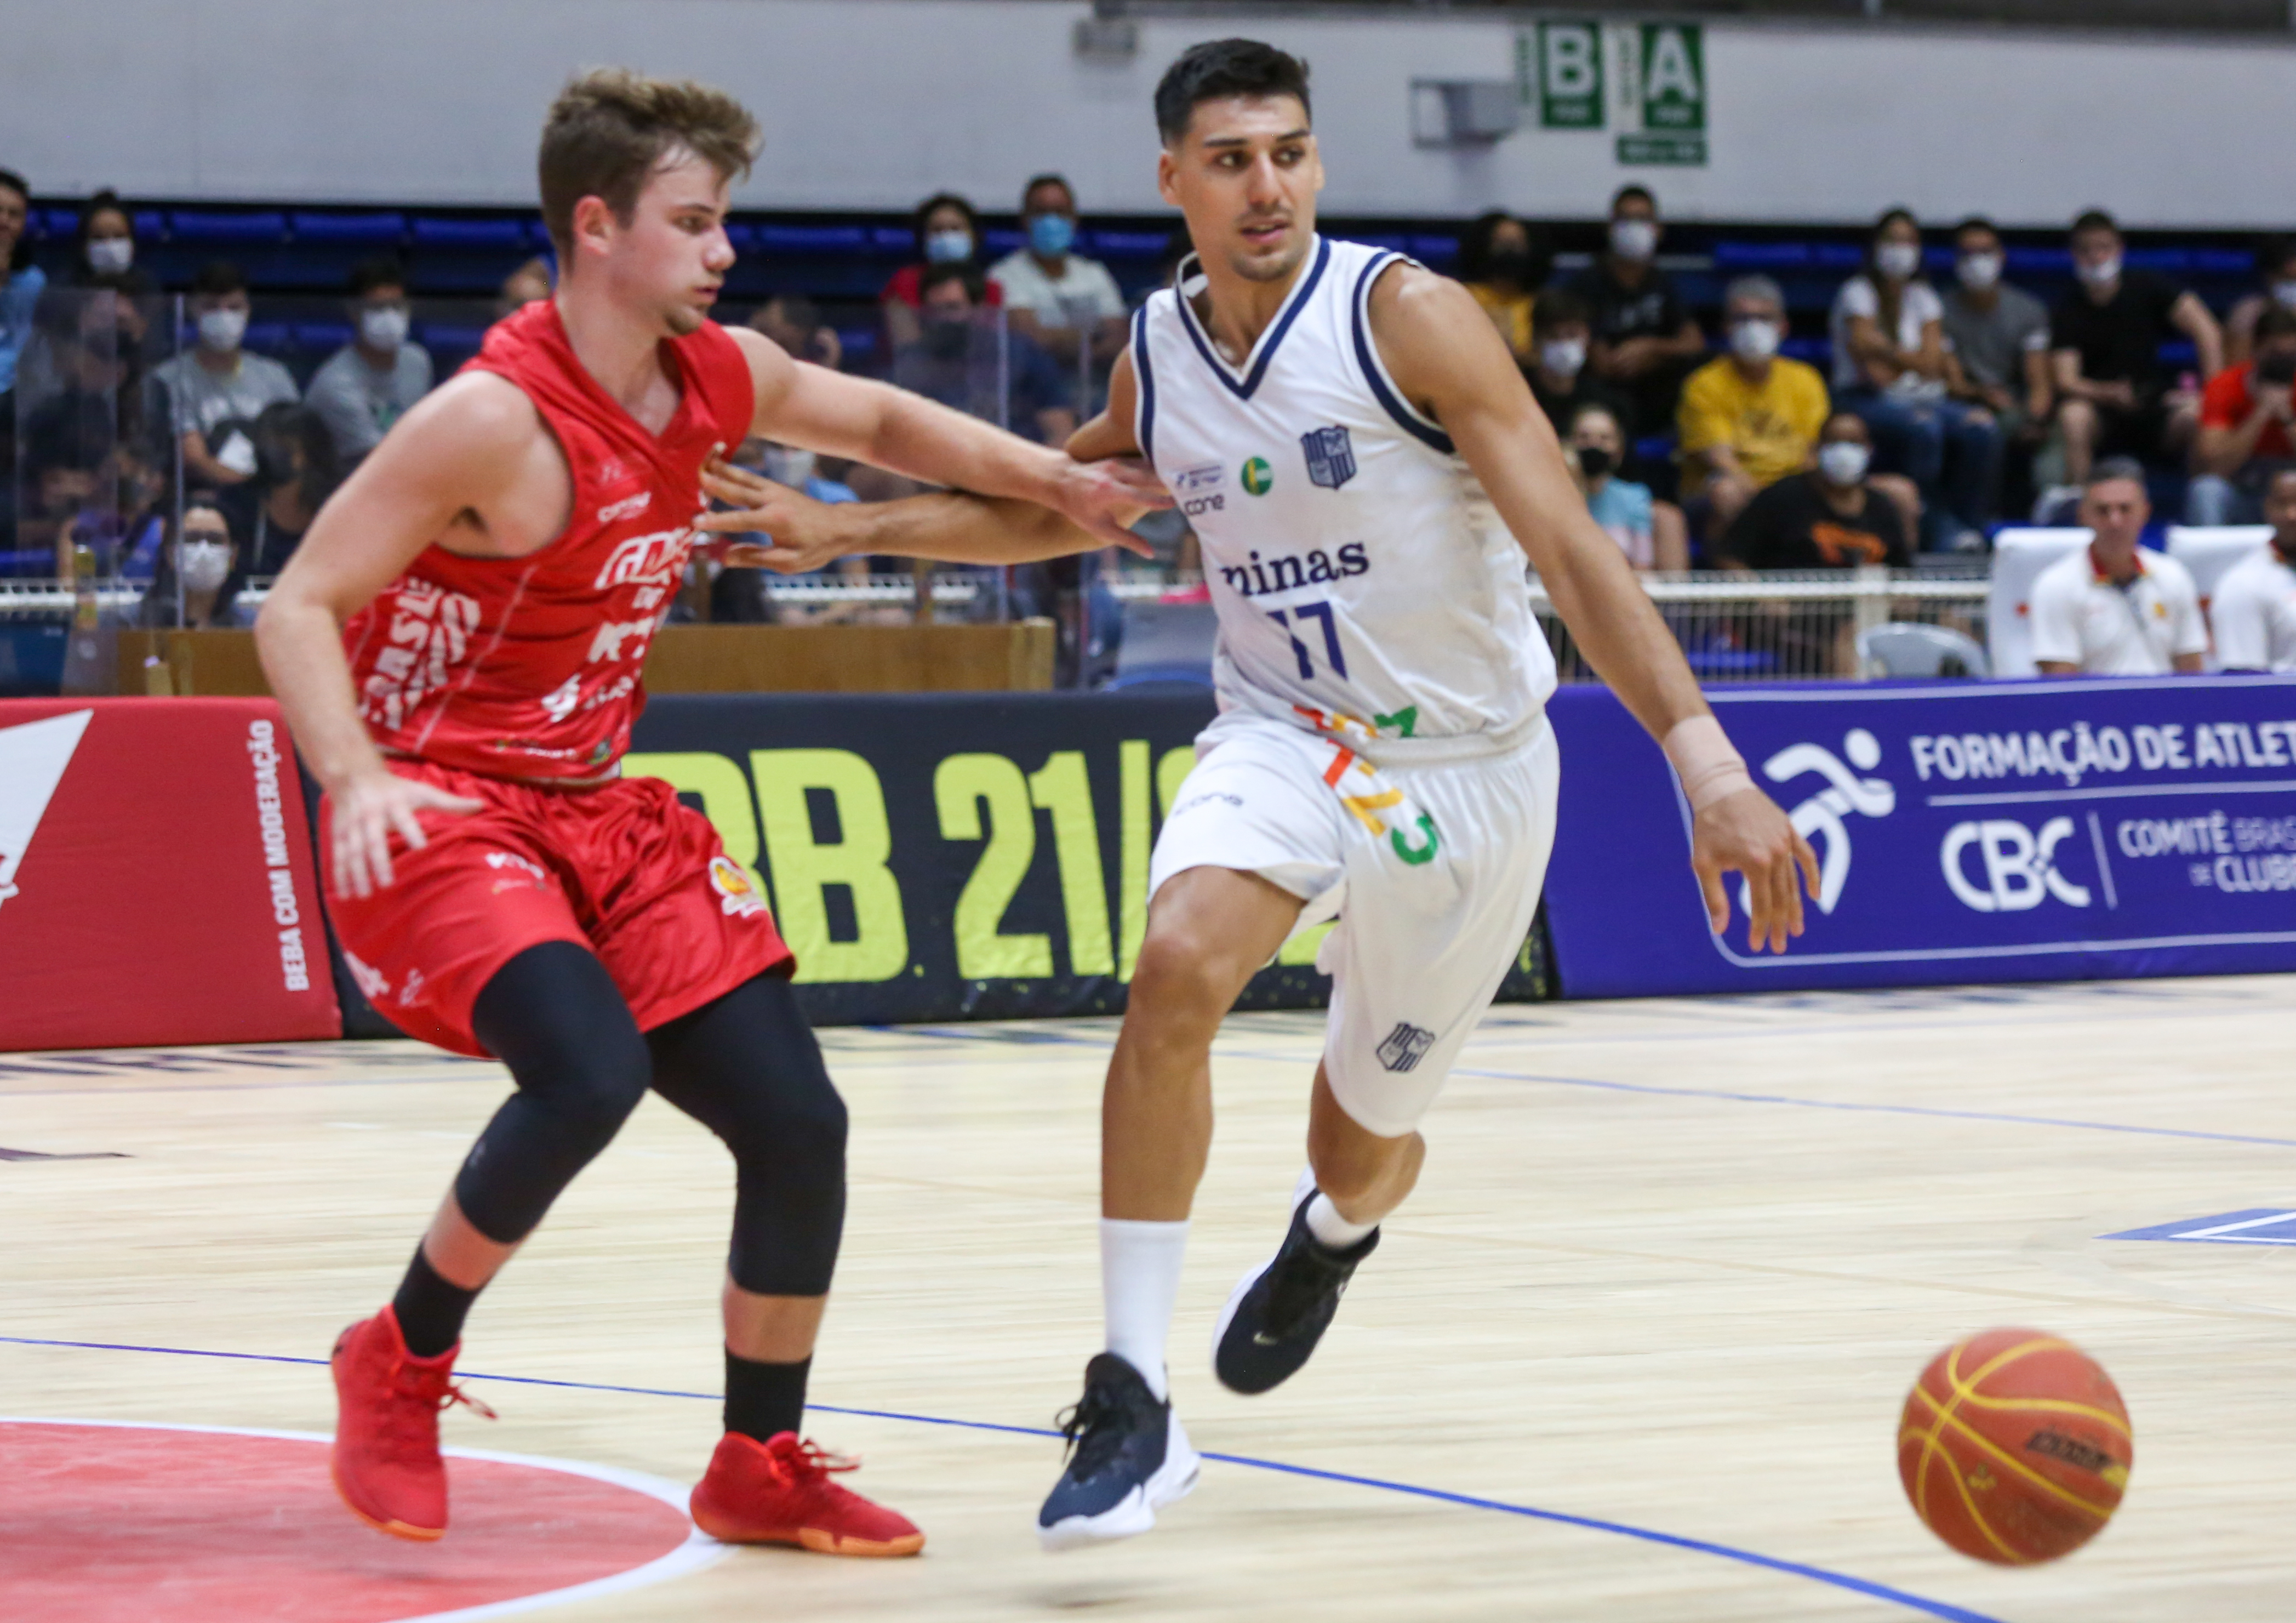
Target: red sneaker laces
809	1462
422	1395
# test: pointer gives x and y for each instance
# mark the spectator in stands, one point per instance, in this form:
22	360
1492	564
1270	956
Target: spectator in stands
2113	608
369	384
2117	400
1561	381
794	322
1889	368
1645	337
295	473
2246	413
2254	611
104	250
2276	266
528	284
1997	339
20	281
213	391
1652	533
1505	260
745	596
949	233
204	557
955	362
1750	417
1064	302
1830	516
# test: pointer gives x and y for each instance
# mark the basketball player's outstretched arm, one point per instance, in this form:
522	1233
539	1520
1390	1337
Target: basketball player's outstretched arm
1449	361
461	455
810	406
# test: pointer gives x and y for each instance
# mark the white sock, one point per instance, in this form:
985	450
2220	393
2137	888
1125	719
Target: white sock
1139	1282
1325	1224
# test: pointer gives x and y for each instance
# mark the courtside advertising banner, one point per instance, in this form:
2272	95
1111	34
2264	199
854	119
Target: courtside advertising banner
156	881
935	857
1965	832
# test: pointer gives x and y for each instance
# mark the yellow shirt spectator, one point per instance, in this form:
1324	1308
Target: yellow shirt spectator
1771	425
1510	313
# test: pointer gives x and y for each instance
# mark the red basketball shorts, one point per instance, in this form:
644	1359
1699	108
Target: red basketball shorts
624	868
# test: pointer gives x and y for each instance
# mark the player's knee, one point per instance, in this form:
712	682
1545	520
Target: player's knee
1183	972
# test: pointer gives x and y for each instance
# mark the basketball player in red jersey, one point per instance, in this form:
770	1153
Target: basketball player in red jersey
457	645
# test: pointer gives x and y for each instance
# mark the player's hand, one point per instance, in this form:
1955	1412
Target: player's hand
370	807
1747	832
1107	496
803	533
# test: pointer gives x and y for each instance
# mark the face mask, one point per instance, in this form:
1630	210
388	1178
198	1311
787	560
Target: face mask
1595	461
203	564
1563	357
1634	239
952	246
787	465
1980	271
383	328
221	330
1898	261
1754	339
1051	235
946	337
109	256
2283	294
1843	463
2104	272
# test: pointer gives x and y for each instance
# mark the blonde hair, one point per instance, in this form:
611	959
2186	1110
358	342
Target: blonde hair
611	128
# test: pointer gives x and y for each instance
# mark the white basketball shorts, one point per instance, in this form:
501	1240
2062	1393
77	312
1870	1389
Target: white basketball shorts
1433	870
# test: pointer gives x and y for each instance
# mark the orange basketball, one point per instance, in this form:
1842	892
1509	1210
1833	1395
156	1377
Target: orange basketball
2014	1447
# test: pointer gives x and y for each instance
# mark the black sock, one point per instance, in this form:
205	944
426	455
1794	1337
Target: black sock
431	1309
763	1400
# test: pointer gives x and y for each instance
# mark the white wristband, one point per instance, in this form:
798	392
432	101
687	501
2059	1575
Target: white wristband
1708	763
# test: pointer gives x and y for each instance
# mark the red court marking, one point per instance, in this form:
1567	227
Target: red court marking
110	1524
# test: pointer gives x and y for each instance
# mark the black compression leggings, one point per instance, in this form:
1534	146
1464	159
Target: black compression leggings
746	1067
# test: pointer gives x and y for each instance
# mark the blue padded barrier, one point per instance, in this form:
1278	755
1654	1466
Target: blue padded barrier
381	228
266	226
470	233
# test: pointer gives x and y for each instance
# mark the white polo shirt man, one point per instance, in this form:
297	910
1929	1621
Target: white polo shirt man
2254	612
2084	621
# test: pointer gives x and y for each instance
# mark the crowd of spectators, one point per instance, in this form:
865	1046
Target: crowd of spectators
1937	408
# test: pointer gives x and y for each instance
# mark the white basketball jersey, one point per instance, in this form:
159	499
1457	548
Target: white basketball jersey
1363	579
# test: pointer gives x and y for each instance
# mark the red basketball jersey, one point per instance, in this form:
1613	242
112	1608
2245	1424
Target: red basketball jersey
530	667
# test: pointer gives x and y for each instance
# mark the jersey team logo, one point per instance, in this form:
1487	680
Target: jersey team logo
1255	476
33	757
1331	457
736	893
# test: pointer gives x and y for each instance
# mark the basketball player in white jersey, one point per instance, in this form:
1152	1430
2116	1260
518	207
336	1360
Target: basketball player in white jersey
1367	473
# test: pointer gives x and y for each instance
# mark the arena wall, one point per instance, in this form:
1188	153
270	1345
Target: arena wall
872	104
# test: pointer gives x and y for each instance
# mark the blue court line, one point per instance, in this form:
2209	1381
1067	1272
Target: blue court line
1727	1097
1593	1524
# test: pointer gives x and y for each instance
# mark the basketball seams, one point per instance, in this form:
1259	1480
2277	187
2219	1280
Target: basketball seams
1963	1429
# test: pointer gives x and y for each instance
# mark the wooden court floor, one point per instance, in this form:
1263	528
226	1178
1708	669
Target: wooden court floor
1635	1352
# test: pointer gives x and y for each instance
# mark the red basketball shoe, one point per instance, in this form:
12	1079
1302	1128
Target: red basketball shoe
385	1460
779	1493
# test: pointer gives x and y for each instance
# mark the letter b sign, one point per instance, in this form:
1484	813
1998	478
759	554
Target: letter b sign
2020	866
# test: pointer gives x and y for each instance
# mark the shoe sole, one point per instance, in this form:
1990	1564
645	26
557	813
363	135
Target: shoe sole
1174	1480
822	1543
397	1529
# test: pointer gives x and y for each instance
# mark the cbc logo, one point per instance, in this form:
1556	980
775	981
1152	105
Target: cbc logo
2018	865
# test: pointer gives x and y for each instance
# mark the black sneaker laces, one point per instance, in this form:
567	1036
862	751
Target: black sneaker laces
1096	1425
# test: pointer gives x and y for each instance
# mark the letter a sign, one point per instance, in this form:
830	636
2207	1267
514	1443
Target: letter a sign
1645	81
